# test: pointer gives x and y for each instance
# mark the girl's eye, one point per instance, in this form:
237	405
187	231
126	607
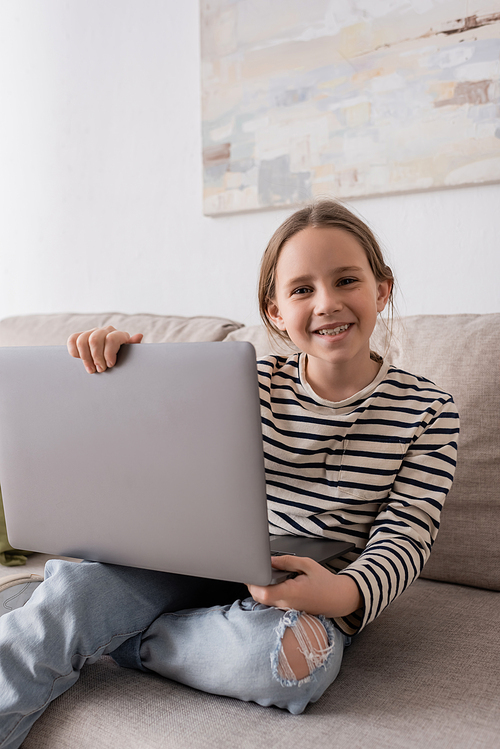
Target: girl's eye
347	281
301	290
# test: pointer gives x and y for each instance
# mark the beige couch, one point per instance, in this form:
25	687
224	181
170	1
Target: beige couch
425	674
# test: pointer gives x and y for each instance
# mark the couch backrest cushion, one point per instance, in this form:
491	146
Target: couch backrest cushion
54	330
263	343
461	354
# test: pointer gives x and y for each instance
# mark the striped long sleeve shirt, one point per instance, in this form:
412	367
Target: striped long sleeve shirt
373	470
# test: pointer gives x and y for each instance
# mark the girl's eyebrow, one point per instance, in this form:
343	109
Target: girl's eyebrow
298	280
348	269
335	272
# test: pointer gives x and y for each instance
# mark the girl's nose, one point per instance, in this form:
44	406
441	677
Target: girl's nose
327	302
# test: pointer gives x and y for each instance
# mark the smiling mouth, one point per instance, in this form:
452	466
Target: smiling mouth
333	331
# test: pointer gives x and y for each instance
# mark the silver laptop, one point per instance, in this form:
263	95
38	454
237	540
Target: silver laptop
156	463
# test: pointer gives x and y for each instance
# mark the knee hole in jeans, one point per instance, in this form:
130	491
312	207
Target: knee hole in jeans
304	648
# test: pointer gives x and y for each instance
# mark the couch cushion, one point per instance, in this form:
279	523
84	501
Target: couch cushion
262	341
9	557
53	330
457	352
426	673
460	353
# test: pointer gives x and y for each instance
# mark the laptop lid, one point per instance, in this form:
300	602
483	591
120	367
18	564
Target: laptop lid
155	463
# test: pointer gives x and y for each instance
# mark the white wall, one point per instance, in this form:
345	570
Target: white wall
100	180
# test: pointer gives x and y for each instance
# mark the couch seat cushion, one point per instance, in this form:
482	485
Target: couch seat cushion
426	673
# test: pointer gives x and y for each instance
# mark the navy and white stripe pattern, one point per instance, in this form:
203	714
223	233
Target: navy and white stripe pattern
374	470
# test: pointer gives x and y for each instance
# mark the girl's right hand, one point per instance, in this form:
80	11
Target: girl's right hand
97	348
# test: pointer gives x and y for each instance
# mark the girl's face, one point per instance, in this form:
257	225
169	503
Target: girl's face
327	298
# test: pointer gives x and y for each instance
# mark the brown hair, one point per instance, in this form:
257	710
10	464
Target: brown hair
323	213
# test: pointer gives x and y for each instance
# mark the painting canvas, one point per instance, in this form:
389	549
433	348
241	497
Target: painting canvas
347	98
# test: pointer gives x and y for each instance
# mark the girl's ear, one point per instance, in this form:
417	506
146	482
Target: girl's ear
273	314
384	289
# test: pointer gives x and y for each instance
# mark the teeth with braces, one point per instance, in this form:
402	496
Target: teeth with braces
333	331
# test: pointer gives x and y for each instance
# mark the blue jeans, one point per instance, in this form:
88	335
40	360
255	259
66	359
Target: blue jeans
173	625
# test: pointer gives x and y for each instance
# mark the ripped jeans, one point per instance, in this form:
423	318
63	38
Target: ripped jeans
170	624
236	651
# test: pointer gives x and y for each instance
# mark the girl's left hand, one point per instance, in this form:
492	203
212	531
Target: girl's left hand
314	590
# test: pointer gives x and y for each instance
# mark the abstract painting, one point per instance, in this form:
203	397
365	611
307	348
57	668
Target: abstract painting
347	98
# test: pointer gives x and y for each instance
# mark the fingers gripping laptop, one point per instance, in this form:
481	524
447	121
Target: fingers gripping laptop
155	463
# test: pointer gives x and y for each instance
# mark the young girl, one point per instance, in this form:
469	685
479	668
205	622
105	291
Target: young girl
355	449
